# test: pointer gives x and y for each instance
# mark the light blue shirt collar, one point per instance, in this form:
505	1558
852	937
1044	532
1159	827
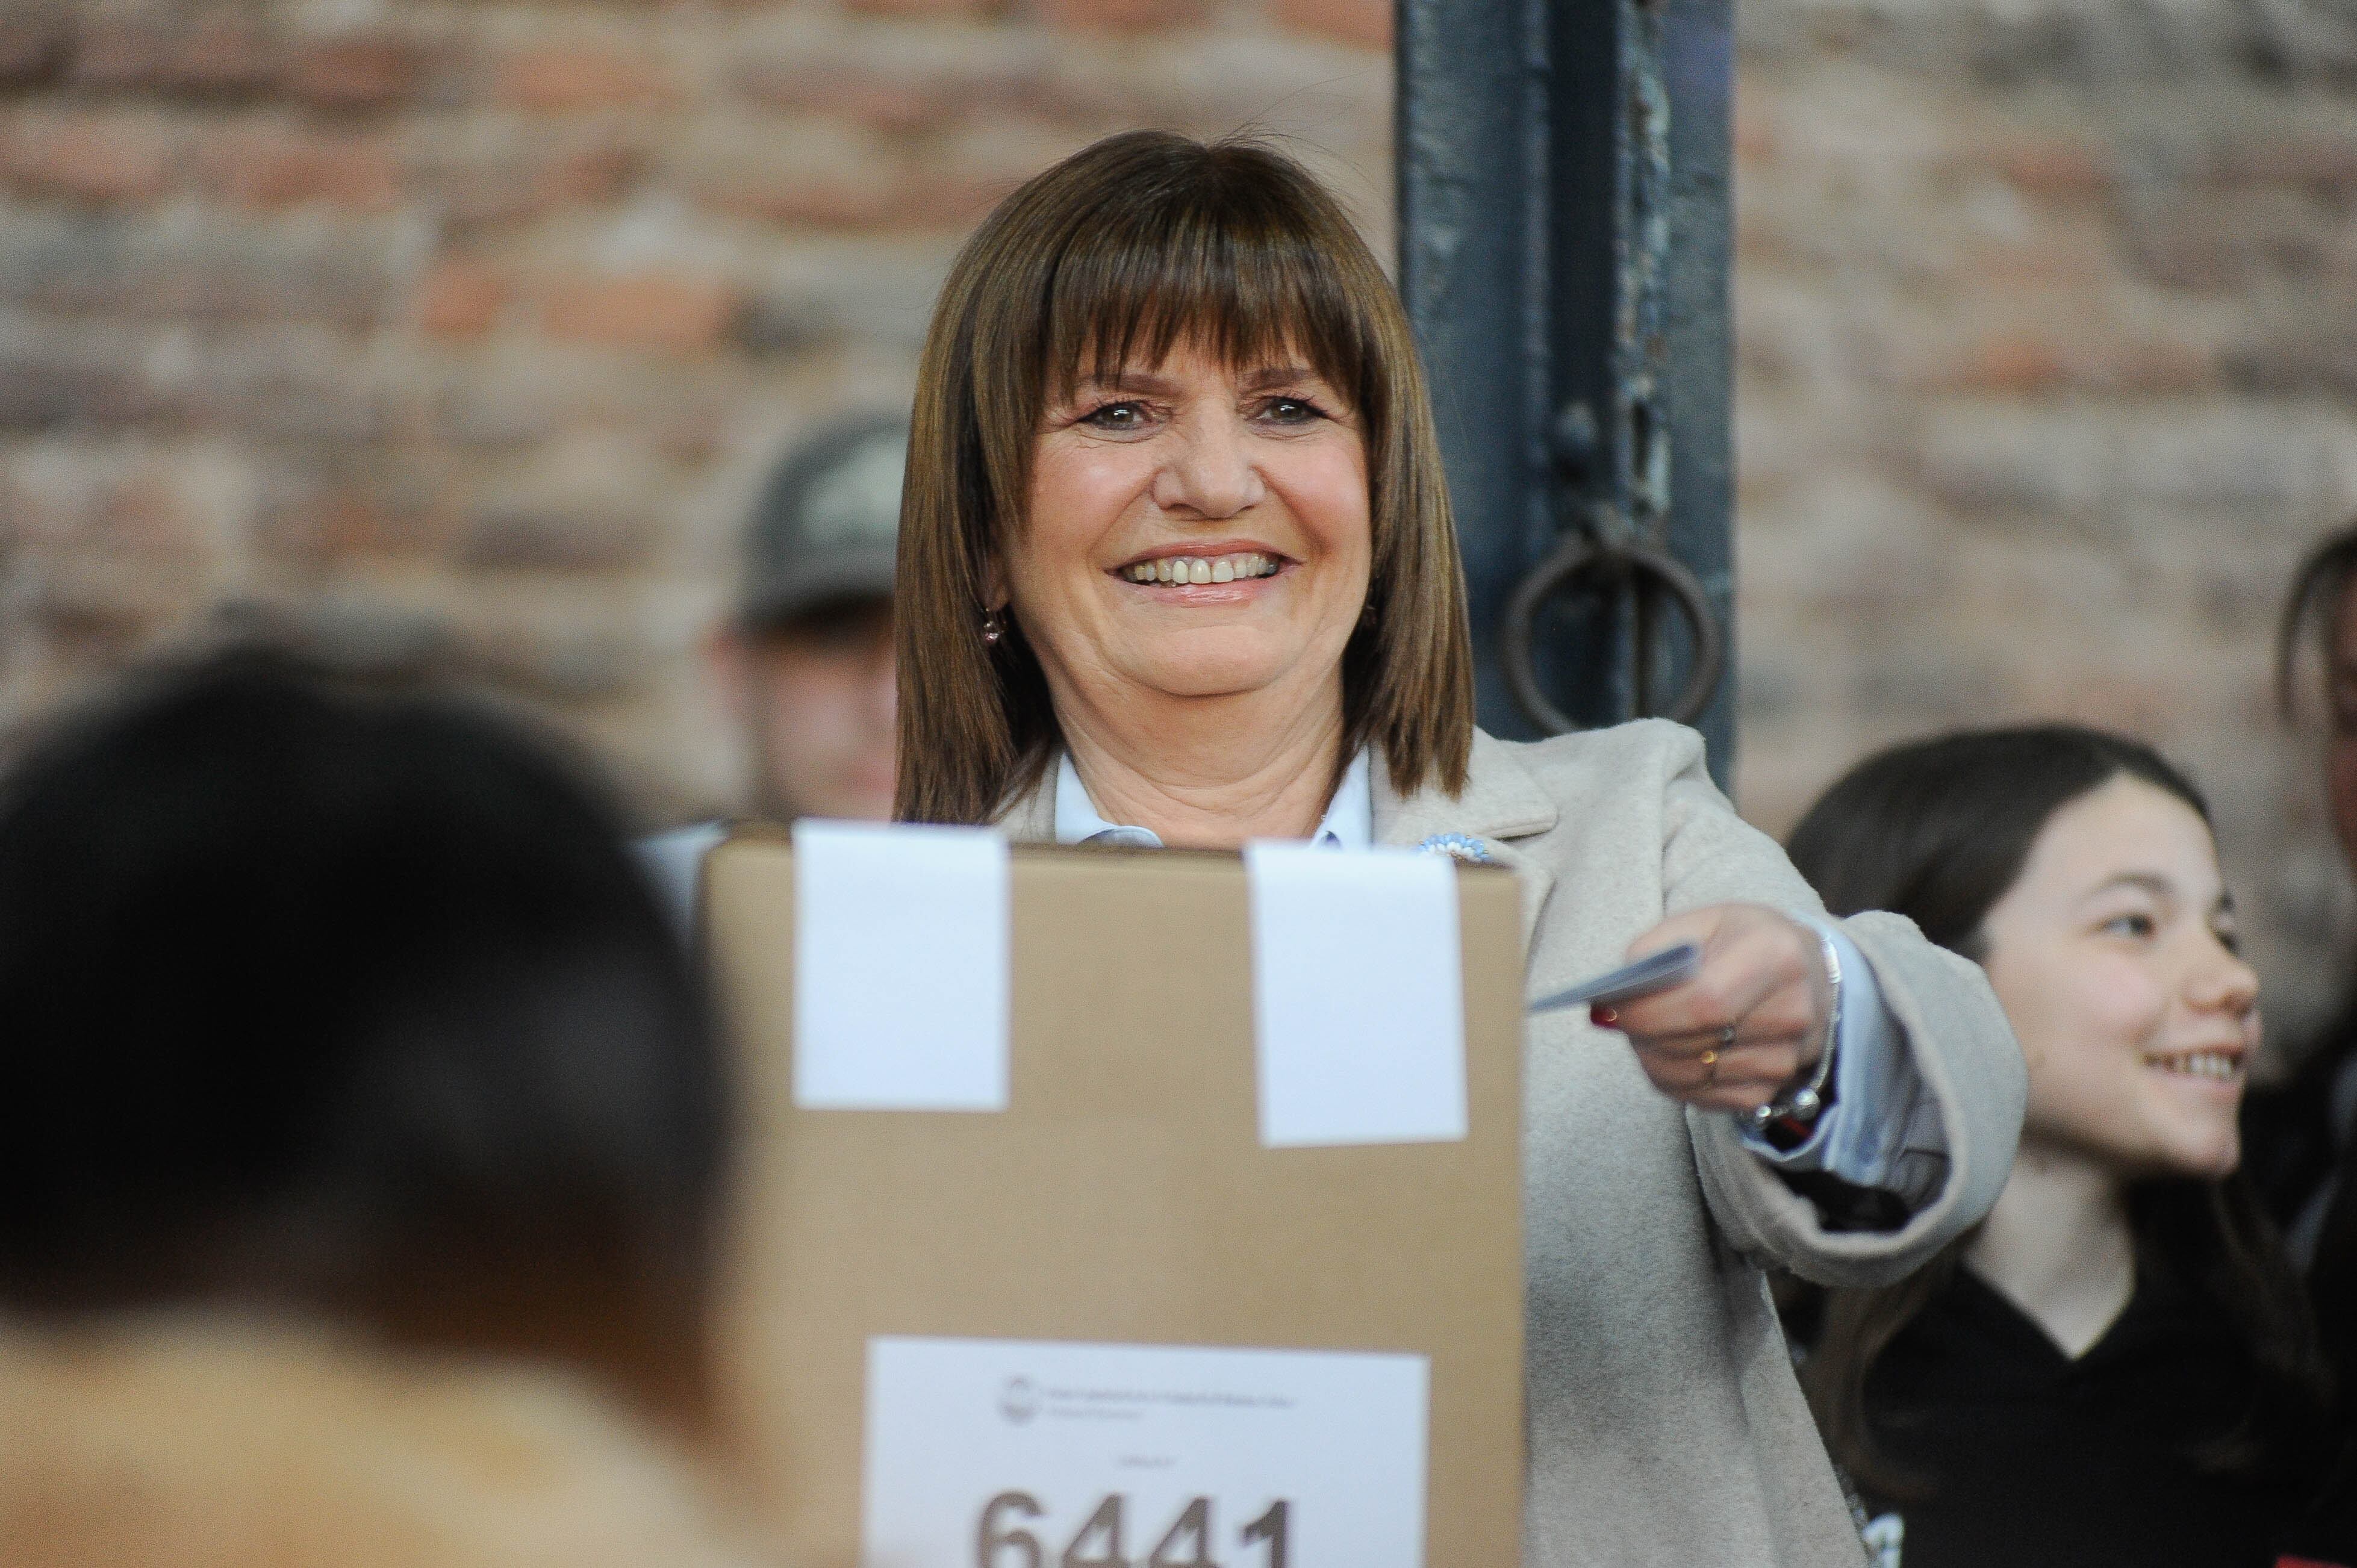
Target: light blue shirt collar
1348	823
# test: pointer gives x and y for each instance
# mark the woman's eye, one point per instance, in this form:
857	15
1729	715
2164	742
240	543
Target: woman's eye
1115	416
2137	926
1293	410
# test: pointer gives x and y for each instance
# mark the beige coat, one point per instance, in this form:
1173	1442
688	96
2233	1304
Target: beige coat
1666	1426
209	1443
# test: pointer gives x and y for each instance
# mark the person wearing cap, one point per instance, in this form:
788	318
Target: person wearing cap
804	660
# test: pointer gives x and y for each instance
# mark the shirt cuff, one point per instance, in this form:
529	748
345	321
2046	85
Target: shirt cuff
1882	1110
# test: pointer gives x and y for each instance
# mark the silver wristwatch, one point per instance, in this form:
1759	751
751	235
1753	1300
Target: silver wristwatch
1794	1109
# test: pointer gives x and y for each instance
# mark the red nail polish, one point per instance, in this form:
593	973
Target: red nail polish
1603	1017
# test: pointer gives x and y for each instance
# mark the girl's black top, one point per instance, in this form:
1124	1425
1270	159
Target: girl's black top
2024	1458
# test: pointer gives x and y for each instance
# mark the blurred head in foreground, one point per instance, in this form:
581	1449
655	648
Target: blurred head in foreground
351	1012
804	660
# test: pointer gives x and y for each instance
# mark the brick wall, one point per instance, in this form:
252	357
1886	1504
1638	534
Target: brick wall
2046	316
457	335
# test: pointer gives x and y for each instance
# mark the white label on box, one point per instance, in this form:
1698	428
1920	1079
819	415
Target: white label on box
900	964
1020	1454
1358	995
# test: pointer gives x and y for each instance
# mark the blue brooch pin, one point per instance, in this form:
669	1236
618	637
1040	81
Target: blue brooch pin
1457	847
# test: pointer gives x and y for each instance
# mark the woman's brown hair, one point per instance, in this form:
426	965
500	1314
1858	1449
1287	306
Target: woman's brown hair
1113	257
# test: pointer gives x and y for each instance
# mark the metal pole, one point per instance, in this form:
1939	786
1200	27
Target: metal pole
1563	208
1472	161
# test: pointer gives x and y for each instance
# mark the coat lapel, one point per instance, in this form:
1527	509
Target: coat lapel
1501	804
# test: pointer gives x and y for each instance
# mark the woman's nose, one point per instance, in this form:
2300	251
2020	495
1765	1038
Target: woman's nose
1209	469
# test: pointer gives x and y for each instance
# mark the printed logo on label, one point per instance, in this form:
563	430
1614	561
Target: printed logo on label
1019	1401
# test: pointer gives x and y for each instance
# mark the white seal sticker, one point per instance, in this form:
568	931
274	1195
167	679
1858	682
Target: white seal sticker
1358	995
900	951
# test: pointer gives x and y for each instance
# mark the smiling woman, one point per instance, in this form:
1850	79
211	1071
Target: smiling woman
1197	532
1152	342
1176	567
2116	1367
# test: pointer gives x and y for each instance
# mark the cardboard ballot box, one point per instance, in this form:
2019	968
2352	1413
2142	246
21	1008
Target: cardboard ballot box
1194	1283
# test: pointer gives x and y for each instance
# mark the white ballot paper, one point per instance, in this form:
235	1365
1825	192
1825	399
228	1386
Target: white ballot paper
1358	995
1019	1454
900	967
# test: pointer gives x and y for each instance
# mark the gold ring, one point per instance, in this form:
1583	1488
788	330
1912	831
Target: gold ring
1710	1067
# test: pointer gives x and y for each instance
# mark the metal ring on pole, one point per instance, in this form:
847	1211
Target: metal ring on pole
1576	555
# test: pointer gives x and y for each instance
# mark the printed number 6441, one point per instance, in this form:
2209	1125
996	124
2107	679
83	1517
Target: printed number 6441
1001	1541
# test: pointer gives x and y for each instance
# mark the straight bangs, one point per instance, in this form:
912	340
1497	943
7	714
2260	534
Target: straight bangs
1224	269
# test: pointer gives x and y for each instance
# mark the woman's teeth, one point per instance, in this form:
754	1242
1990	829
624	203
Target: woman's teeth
2201	1064
1201	568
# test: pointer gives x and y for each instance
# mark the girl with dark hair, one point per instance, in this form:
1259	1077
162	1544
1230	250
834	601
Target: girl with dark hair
2116	1367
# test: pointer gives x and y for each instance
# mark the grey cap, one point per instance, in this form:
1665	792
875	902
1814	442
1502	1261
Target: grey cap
828	523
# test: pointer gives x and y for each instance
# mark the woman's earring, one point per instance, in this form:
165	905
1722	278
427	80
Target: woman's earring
993	628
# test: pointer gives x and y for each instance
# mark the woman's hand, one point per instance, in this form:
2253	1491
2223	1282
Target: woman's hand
1753	1017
